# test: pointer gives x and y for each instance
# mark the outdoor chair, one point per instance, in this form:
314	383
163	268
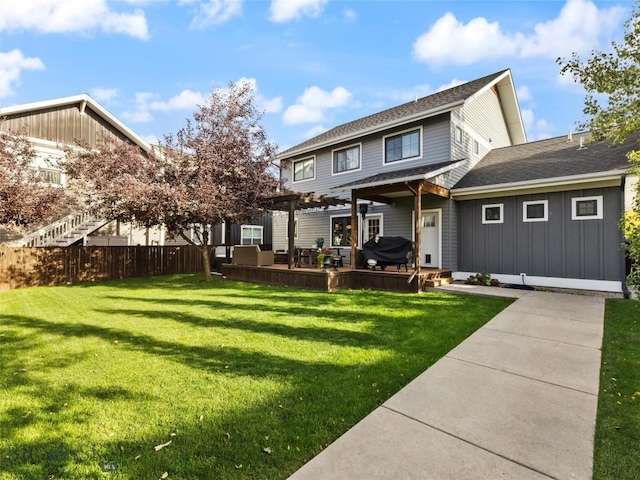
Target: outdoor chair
251	255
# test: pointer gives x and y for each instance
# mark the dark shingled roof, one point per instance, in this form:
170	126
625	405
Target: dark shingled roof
546	159
390	177
406	110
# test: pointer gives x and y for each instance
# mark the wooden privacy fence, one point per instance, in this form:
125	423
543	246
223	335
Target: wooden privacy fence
37	266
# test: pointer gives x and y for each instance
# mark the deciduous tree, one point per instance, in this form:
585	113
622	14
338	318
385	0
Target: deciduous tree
25	200
612	82
215	169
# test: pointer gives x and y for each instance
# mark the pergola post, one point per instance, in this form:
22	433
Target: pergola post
418	229
291	226
354	230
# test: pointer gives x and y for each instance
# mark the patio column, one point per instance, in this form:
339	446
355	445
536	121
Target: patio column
291	224
354	230
418	230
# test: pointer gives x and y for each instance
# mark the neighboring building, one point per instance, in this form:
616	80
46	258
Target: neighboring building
51	125
490	202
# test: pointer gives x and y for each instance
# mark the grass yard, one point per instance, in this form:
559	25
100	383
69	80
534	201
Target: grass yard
617	440
245	381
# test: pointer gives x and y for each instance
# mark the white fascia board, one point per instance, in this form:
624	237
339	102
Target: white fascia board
423	176
82	99
550	282
367	131
540	183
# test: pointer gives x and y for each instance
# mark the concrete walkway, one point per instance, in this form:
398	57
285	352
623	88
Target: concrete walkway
516	400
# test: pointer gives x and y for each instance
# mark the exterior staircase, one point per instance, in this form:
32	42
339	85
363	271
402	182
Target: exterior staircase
63	233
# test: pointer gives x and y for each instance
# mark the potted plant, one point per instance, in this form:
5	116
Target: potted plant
320	242
325	258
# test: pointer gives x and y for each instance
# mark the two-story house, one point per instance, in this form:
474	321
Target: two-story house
453	172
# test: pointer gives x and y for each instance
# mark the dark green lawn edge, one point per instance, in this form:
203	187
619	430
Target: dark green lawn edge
617	438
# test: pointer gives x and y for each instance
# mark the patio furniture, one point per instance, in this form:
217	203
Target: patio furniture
306	257
251	255
388	251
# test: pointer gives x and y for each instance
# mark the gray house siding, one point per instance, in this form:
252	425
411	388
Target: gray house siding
560	247
436	146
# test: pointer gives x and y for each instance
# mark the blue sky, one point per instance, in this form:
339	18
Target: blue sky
314	64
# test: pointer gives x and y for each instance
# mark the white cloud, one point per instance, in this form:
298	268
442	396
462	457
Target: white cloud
524	94
103	94
578	28
536	129
407	95
11	66
53	16
147	102
286	10
350	15
453	83
213	12
311	106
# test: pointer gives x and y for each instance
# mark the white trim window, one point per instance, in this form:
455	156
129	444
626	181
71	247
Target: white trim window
402	146
476	147
586	208
458	135
341	231
493	213
251	234
372	226
348	159
304	169
535	211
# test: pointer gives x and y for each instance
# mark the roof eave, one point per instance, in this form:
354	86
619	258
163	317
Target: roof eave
411	178
378	128
538	183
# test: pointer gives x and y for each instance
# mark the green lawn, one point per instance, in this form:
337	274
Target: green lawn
246	381
617	441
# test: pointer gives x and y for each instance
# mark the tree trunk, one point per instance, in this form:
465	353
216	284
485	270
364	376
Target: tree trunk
206	262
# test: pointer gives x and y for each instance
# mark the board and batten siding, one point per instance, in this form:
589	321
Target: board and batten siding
236	230
62	125
436	147
560	247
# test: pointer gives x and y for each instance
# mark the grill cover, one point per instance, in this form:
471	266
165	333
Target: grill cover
388	249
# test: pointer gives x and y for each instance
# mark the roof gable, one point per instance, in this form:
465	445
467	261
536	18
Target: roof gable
424	107
86	106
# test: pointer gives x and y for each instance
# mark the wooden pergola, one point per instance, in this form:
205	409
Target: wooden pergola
290	202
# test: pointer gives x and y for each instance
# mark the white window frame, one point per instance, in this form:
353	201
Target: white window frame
348	147
293	169
545	218
331	218
599	208
492	205
259	227
458	135
402	132
366	219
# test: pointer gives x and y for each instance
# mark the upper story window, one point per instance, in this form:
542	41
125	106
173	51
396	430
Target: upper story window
586	208
50	175
304	169
346	159
458	135
402	146
476	147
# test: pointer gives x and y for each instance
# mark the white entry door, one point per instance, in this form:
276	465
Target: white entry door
430	237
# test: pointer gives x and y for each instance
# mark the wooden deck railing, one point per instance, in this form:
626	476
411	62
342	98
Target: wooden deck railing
29	267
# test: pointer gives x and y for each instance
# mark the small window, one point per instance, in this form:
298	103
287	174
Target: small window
251	235
476	147
340	231
346	159
304	169
535	211
586	208
403	146
492	213
458	135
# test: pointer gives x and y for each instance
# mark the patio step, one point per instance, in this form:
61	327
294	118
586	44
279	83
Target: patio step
437	282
